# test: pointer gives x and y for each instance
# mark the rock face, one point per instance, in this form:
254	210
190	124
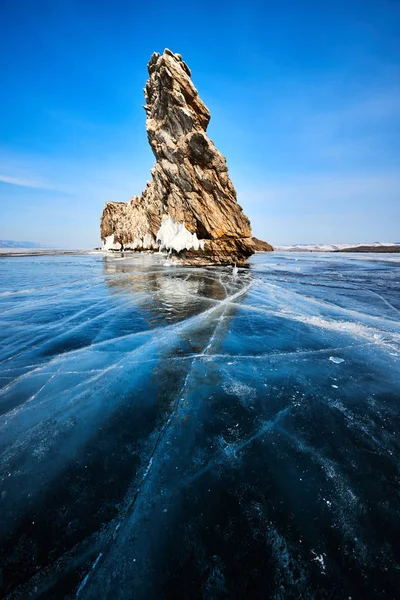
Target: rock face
190	205
260	246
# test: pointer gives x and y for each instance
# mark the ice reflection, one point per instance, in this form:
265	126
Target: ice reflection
173	293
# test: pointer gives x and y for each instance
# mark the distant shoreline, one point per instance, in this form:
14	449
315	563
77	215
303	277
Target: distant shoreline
37	252
23	252
375	249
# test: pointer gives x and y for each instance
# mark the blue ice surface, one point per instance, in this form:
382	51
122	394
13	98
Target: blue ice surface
176	432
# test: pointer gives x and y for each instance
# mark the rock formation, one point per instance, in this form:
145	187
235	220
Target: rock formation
260	246
189	207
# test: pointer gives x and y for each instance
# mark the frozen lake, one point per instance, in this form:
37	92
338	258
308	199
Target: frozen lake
182	433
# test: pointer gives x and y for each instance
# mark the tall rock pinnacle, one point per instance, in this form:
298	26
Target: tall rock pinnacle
190	204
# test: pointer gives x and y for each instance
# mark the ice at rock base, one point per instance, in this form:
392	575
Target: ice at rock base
175	236
172	432
109	243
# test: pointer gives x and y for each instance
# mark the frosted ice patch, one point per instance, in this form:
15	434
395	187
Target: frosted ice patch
244	392
336	360
168	263
319	558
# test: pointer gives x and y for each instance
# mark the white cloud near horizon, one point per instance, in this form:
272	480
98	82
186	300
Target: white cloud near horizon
22	182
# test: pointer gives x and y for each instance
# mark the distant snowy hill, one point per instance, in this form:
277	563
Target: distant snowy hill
329	247
14	244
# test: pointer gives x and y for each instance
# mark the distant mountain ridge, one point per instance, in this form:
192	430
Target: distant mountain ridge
23	244
375	247
14	244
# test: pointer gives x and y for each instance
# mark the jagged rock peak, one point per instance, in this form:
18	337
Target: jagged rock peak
173	104
190	205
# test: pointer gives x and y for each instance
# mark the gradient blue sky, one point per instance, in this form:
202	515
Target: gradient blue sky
304	97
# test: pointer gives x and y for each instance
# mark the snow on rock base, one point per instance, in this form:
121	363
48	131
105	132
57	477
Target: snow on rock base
175	236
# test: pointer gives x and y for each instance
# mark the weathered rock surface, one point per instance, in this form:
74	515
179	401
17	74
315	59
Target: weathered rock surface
190	204
260	246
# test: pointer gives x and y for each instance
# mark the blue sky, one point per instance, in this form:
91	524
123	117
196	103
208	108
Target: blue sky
304	97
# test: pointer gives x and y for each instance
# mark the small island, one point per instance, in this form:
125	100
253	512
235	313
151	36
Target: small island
189	208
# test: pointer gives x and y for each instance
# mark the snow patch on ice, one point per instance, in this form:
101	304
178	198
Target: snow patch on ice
175	236
319	558
244	392
336	360
168	263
